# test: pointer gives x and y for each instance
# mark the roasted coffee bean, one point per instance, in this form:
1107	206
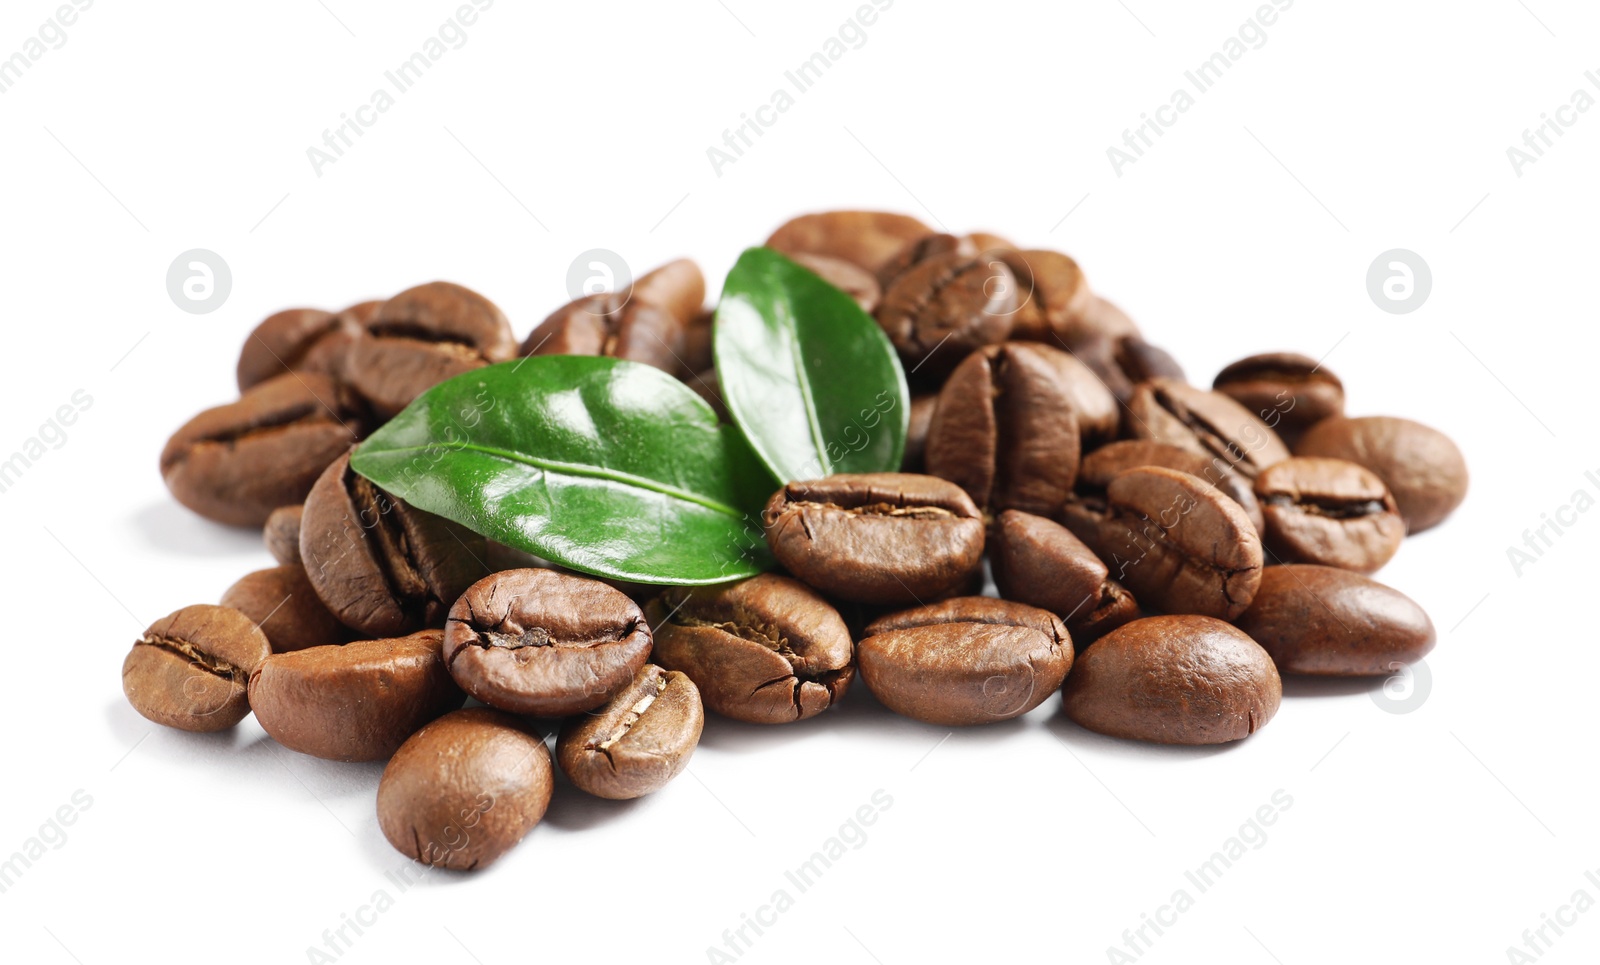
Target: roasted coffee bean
865	238
382	566
890	538
970	660
1040	563
282	534
544	643
1328	511
422	337
988	241
1421	466
463	790
1051	292
356	702
697	355
944	307
1332	622
191	669
1207	422
614	325
363	313
297	340
677	288
1100	319
1290	392
238	462
921	418
1177	542
1174	680
1113	607
1008	425
283	604
1098	468
1121	363
920	250
849	278
638	740
767	650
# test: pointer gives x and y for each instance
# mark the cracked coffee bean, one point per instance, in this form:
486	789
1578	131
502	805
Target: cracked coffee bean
1040	563
282	603
382	566
638	740
612	324
1207	422
677	288
945	307
423	336
297	340
1290	392
463	790
282	534
767	650
356	702
544	643
1423	469
865	238
890	538
970	660
1051	293
1177	542
1174	680
191	668
238	462
1328	511
1331	622
1098	468
1113	607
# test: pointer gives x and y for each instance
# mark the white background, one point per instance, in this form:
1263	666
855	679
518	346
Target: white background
1437	835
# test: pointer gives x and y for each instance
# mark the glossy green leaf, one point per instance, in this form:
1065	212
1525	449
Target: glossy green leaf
809	377
608	467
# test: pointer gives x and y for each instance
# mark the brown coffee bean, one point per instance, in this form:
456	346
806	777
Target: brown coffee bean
677	288
849	278
363	313
1177	542
282	603
697	346
1328	511
1289	392
1007	428
1207	422
944	307
281	532
356	702
1174	680
921	418
238	462
1423	469
1040	563
1331	622
890	538
767	650
422	337
1099	319
544	643
987	241
614	325
463	790
865	238
1113	607
297	340
1121	363
191	668
382	566
638	740
1051	293
1098	468
920	250
970	660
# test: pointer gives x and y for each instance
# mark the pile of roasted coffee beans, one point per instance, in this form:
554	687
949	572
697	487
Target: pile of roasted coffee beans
1162	551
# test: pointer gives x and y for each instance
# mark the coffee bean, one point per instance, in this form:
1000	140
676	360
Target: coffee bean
297	340
987	241
1123	362
697	346
282	603
677	288
920	250
614	325
544	643
876	538
1177	542
1421	466
1207	422
1098	468
1331	622
1099	319
944	307
463	790
865	238
422	337
356	702
1040	563
1007	428
282	534
1289	392
970	660
382	566
638	740
1174	680
363	313
191	668
1328	511
1051	292
921	418
1113	607
767	650
238	462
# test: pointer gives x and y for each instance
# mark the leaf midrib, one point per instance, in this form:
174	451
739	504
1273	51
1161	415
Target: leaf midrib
791	329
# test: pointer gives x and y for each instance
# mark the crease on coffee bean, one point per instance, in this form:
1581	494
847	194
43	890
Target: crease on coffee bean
1204	431
620	730
210	663
301	414
1189	560
418	332
1331	507
392	554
